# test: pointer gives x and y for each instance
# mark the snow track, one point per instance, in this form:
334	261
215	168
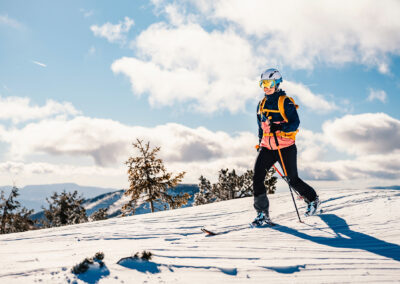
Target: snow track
357	239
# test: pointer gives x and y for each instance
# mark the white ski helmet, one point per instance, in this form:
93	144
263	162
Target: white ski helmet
271	74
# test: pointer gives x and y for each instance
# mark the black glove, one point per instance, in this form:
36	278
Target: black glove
273	127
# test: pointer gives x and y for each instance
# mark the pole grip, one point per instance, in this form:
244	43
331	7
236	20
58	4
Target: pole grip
276	138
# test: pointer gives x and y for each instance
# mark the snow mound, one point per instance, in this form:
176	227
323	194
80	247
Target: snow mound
356	240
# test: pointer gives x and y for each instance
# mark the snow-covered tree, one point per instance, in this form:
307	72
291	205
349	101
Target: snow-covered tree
205	194
227	185
100	214
231	186
14	217
245	185
150	181
270	181
64	209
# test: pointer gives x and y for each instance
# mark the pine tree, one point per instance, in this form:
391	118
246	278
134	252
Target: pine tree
230	186
64	209
205	194
245	184
14	217
100	214
150	181
270	181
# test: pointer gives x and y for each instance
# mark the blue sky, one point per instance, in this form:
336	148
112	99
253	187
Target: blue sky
81	80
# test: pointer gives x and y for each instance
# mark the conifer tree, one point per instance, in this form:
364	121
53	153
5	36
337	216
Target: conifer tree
64	209
245	184
100	214
270	181
230	186
205	194
150	181
14	217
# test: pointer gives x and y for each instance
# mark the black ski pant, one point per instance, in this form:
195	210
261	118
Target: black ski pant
265	159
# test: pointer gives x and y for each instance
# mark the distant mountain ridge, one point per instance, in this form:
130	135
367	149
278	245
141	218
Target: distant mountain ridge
34	196
114	200
395	187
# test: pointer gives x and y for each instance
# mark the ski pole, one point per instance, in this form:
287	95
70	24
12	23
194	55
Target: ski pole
285	177
282	176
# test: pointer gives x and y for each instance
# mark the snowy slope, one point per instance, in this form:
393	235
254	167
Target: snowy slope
356	240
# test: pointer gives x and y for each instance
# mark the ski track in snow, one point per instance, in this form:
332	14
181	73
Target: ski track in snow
356	239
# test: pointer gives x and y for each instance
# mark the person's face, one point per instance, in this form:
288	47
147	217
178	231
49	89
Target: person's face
269	91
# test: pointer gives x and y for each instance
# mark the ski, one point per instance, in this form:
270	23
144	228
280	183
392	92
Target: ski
223	231
267	225
209	233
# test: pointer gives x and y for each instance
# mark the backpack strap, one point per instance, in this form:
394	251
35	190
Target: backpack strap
281	106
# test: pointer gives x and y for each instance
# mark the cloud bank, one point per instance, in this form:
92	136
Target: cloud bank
18	109
370	140
302	34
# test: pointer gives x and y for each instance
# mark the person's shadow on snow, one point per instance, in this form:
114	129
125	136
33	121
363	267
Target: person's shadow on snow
355	240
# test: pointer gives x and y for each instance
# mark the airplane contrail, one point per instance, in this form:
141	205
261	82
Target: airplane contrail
39	63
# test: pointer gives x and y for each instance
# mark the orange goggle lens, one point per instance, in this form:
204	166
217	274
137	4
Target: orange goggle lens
267	83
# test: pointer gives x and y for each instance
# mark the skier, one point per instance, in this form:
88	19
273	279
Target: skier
276	113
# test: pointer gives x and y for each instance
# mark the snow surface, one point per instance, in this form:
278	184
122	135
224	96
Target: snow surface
357	239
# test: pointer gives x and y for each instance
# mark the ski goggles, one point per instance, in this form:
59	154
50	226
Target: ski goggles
267	83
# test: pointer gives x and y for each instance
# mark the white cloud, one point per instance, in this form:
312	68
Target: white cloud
24	173
6	20
108	142
39	63
302	34
379	95
362	168
201	151
182	63
113	33
212	71
19	109
307	98
364	134
372	138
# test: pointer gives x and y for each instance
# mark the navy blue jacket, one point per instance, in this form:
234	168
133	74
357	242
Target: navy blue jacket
290	111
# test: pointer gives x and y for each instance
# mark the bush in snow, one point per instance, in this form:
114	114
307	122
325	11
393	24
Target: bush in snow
146	256
64	209
87	262
230	186
99	215
14	217
150	181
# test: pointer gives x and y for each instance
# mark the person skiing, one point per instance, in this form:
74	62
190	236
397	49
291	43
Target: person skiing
277	114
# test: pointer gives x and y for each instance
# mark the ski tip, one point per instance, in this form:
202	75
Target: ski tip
209	233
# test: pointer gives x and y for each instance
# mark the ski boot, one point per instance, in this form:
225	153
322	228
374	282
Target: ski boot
313	207
262	220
